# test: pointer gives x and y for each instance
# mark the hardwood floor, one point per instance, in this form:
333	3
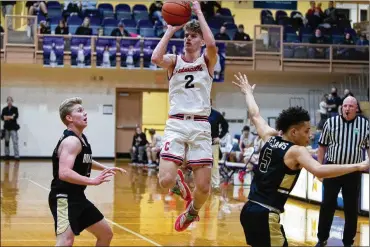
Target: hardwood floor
143	214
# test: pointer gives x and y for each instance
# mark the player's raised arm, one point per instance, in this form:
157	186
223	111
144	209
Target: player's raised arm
263	129
159	56
209	40
305	160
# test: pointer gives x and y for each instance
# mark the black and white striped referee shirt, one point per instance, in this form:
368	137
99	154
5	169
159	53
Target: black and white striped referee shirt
345	139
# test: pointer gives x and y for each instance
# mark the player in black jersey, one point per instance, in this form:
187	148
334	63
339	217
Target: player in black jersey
72	164
280	162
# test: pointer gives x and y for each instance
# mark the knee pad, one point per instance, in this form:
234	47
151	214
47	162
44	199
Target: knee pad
6	143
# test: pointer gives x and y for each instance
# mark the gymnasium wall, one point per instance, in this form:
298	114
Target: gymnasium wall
41	127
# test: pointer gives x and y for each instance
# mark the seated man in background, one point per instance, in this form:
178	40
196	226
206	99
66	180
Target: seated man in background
153	148
139	143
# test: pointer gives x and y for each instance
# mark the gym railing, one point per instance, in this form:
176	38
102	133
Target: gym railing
267	45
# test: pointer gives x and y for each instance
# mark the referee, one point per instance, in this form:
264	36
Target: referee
217	122
342	140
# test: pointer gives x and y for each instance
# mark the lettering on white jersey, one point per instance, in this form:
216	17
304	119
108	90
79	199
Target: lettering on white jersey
190	88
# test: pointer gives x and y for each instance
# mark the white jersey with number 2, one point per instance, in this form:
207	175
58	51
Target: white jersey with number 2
190	88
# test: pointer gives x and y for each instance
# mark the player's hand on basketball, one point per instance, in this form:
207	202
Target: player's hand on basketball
243	83
195	6
103	176
174	29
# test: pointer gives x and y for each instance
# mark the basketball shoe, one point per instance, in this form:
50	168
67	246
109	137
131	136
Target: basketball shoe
181	188
185	219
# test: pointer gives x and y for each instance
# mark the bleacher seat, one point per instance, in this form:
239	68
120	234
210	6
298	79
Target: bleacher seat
147	32
92	12
95	24
215	27
123	11
267	17
106	10
130	25
158	28
290	34
305	33
231	29
54	22
139	8
53	5
224	11
74	22
337	36
140	15
284	21
109	24
280	14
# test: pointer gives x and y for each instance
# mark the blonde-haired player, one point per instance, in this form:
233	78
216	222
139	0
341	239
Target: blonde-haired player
188	132
72	164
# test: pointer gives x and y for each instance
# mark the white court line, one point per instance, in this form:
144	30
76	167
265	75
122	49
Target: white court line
112	222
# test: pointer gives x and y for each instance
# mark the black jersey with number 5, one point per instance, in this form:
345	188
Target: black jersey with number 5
273	180
82	165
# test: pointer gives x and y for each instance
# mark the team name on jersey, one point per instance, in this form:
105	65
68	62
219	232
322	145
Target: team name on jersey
277	144
87	158
190	69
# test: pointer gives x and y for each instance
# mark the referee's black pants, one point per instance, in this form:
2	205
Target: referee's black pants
350	185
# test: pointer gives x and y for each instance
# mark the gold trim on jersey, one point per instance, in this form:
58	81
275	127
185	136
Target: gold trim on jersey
288	181
62	215
276	236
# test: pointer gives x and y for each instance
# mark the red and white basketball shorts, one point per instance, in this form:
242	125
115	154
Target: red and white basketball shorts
188	137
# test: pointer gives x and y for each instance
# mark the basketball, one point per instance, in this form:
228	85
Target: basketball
176	13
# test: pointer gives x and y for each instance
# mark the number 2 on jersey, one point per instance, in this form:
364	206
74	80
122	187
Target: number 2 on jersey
189	79
266	159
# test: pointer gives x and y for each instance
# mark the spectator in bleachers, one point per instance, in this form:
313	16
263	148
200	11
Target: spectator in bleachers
240	35
120	31
37	6
139	143
209	8
154	147
345	52
44	27
73	7
363	53
62	28
312	8
84	29
155	12
323	110
246	139
333	103
100	32
318	38
330	14
7	9
222	35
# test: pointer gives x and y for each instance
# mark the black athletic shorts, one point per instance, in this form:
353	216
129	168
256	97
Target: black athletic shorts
261	226
72	209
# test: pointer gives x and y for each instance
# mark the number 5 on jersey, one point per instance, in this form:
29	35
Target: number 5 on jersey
266	159
189	79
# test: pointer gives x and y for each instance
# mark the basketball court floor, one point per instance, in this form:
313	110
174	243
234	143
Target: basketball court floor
142	214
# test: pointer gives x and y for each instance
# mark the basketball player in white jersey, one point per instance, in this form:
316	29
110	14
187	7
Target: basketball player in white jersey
188	133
